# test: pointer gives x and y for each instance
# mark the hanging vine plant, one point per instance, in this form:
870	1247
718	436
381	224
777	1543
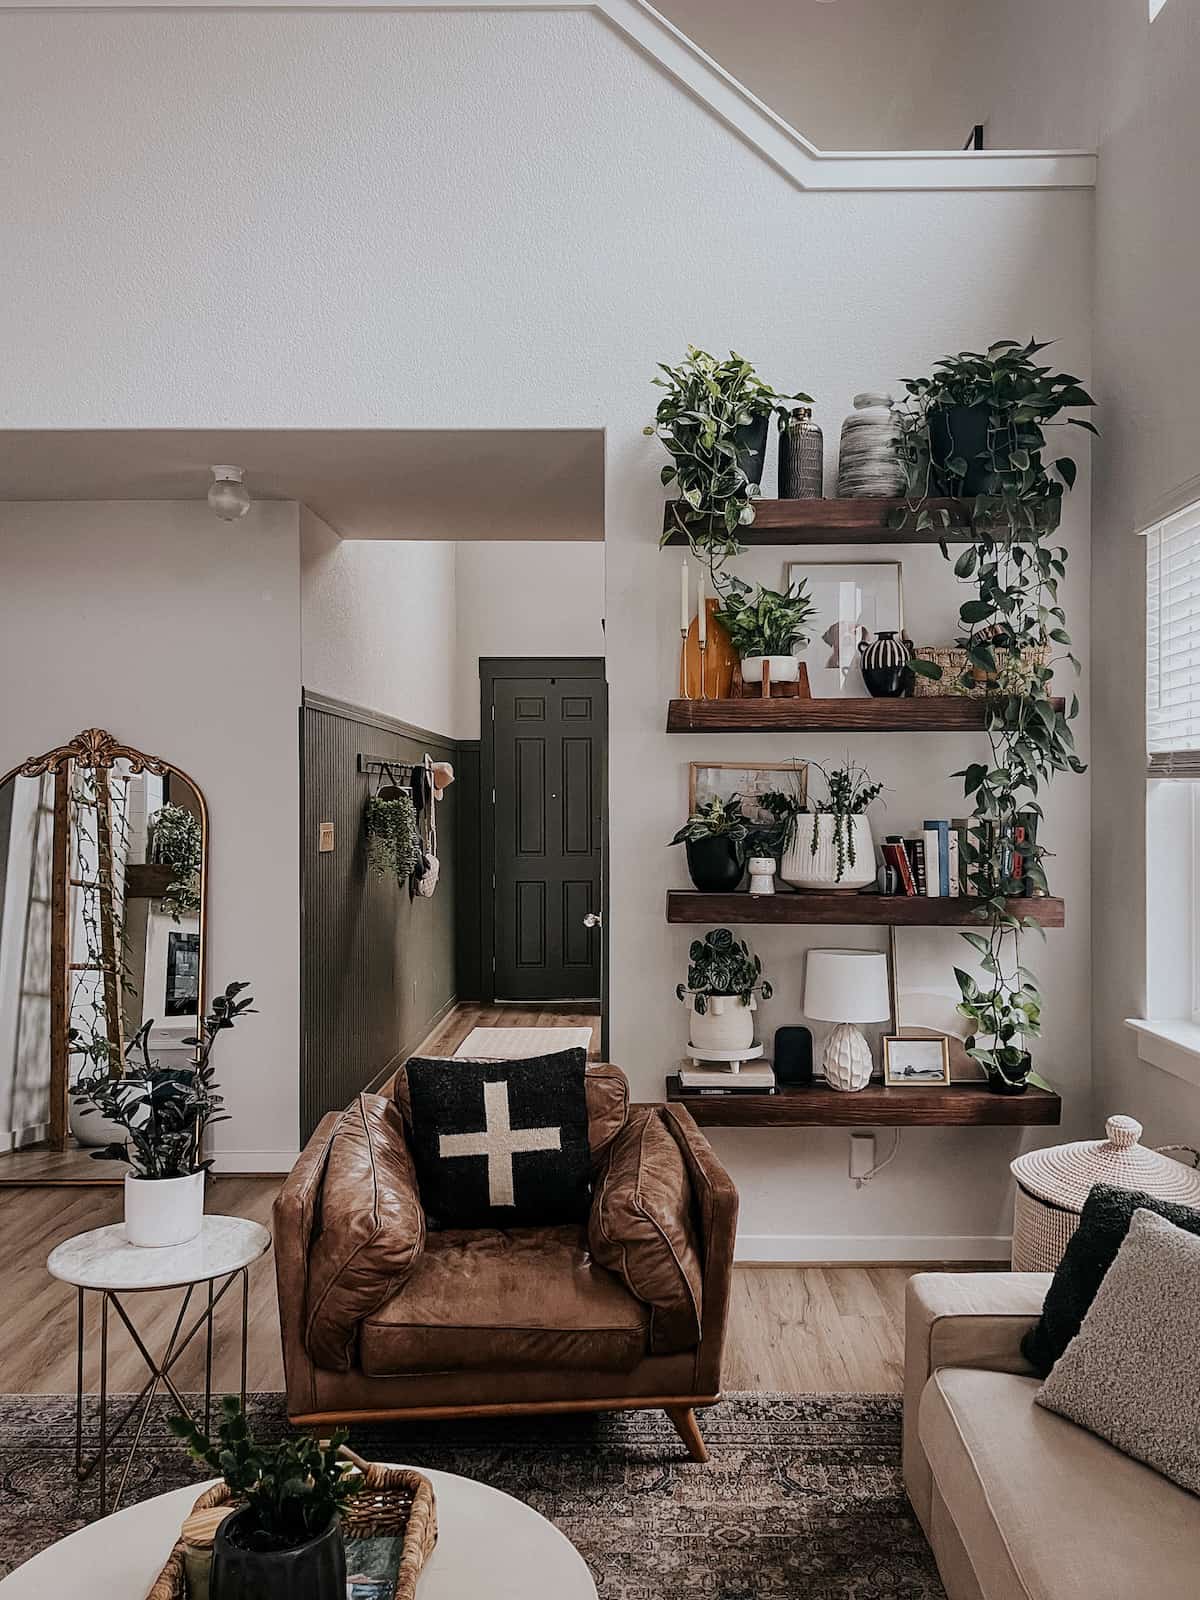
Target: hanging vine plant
391	829
177	840
978	426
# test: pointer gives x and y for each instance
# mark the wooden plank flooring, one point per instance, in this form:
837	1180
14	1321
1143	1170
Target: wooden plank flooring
445	1039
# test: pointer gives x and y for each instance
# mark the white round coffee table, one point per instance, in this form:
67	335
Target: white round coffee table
105	1263
490	1547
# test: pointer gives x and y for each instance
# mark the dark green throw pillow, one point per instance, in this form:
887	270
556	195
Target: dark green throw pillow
1103	1224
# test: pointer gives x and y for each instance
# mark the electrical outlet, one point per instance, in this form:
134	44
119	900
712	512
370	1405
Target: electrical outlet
325	836
862	1154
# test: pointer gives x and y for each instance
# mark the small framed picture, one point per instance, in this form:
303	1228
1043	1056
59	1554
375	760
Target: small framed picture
915	1063
850	597
711	780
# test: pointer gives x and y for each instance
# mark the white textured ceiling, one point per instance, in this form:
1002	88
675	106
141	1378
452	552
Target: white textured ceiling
491	483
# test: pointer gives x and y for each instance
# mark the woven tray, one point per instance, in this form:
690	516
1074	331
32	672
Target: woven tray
1013	677
394	1501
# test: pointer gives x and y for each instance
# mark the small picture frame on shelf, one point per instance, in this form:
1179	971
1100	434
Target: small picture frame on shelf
915	1063
849	596
711	780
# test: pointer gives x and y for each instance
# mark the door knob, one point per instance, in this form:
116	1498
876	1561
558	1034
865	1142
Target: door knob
592	920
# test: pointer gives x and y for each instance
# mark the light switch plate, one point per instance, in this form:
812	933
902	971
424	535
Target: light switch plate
325	838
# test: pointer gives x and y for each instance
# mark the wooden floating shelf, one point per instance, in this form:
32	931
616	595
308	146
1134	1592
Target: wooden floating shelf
843	908
148	880
816	1105
863	521
943	713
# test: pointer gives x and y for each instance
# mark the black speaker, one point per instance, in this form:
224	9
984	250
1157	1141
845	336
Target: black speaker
793	1056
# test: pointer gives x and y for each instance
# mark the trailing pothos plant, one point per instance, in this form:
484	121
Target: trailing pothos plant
704	422
1009	629
719	964
762	621
716	819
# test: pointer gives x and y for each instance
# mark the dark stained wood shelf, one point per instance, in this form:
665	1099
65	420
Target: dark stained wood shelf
148	880
816	1105
862	521
943	713
844	908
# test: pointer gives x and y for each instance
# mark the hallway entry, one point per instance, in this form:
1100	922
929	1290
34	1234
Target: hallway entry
544	726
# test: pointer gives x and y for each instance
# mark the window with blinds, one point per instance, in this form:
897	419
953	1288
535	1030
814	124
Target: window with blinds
1173	646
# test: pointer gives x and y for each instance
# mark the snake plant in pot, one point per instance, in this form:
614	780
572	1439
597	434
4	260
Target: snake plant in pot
714	837
724	981
163	1112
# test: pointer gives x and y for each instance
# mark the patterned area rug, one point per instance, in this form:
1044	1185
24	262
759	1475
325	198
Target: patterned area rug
802	1499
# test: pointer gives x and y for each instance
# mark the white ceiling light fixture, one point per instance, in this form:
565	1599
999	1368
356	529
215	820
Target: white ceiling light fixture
227	494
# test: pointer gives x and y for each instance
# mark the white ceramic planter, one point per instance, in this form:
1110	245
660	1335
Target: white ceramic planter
784	669
163	1211
89	1128
805	870
726	1024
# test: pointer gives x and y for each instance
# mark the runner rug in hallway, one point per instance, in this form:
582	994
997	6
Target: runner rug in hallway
802	1499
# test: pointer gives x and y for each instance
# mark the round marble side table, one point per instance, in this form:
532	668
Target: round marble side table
104	1263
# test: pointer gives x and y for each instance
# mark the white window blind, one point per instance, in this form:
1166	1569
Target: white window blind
1173	646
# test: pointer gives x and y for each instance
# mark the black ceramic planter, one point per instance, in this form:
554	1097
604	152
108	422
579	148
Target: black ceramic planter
312	1571
714	865
1000	1083
750	443
960	431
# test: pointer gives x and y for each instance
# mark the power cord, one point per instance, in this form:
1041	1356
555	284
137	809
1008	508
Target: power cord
879	1165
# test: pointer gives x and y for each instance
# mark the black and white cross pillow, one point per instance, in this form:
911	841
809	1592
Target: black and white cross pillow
501	1143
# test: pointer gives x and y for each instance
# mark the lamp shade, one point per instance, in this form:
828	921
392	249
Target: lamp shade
847	986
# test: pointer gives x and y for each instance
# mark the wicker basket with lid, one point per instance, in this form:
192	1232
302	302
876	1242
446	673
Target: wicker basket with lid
1053	1184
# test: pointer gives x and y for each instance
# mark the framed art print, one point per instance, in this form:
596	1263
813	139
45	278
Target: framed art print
915	1063
849	596
710	780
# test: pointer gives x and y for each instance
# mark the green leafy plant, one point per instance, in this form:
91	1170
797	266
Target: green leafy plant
774	838
177	839
393	847
292	1490
1004	1011
164	1110
719	964
849	790
1015	575
702	422
716	819
763	622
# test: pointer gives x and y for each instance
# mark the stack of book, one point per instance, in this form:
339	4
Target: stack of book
930	862
753	1077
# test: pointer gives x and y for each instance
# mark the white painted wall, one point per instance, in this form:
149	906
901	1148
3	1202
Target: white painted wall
519	599
180	635
379	623
525	149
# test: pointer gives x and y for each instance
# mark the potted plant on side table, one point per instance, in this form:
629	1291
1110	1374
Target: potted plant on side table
714	837
723	981
285	1540
163	1112
766	627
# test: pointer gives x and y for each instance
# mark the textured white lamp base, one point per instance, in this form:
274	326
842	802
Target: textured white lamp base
847	1060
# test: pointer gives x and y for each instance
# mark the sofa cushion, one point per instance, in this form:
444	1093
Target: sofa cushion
1091	1250
504	1300
1045	1510
370	1232
641	1228
1129	1374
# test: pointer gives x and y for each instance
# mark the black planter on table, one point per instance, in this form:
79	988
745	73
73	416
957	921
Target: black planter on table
315	1570
750	442
1004	1083
715	865
961	431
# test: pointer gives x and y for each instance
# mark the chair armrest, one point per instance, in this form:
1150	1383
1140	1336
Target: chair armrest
961	1319
294	1214
716	1206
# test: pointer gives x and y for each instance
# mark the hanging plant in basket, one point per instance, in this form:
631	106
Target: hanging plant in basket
392	842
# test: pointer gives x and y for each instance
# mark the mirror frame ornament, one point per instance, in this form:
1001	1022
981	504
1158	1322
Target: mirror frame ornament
97	750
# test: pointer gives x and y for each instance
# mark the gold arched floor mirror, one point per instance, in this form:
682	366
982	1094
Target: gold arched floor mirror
103	882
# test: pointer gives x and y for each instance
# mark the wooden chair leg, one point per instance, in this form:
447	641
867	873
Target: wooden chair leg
684	1419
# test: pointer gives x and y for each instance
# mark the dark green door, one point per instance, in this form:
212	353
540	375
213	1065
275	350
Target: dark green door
548	736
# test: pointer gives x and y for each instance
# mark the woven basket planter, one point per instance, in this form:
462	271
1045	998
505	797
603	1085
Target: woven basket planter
1014	677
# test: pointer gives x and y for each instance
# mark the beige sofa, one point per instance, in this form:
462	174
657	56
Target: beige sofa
1018	1503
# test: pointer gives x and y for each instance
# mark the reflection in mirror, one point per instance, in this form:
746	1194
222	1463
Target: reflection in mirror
102	866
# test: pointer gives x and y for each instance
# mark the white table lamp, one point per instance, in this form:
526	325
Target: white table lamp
847	987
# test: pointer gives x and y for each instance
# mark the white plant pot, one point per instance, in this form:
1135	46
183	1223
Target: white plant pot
725	1024
89	1128
784	669
163	1211
804	869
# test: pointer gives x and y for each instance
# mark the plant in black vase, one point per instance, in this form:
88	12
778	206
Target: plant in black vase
1004	1011
715	837
285	1540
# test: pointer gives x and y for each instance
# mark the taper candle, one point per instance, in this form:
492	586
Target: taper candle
701	613
684	597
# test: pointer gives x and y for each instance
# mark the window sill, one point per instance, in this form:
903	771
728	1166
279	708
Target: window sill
1173	1046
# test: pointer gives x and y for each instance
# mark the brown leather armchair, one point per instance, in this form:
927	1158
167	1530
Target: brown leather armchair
381	1320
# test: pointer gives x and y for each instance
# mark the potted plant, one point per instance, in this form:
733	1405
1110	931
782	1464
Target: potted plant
285	1540
1003	1013
714	837
713	422
163	1112
724	978
837	851
767	628
177	841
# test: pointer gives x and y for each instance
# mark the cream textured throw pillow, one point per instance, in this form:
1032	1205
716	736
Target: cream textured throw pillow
1131	1372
